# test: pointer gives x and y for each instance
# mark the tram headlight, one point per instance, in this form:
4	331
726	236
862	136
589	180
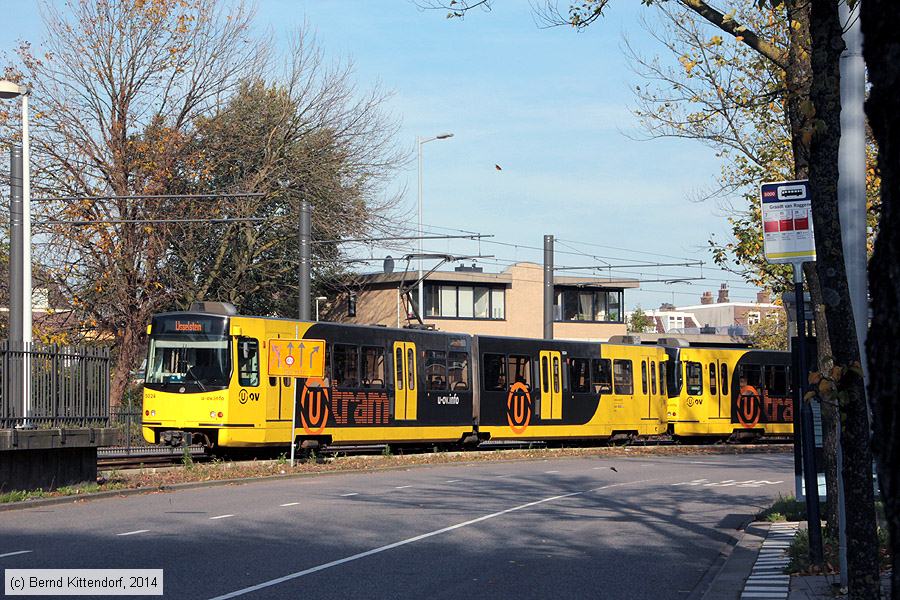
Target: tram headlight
153	413
212	414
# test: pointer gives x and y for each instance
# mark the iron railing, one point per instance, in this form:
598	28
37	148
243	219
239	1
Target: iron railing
69	385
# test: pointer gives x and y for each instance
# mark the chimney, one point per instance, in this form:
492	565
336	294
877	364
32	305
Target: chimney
723	293
666	306
763	297
706	298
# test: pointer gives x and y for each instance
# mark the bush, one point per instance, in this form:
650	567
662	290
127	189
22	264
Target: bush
785	508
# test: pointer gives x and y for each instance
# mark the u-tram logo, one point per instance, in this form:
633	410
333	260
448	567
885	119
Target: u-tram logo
314	406
518	407
749	407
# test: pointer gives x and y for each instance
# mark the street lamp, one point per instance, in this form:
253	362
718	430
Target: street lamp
419	143
9	90
319	299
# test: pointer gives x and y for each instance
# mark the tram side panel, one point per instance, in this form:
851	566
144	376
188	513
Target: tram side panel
386	385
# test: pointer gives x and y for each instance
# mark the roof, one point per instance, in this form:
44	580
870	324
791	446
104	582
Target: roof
505	278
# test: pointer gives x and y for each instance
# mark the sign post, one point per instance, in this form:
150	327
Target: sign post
786	209
300	359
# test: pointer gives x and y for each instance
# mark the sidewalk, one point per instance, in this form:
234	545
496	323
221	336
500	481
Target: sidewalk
755	570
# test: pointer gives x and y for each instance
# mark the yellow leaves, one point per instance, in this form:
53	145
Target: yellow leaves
715	40
687	63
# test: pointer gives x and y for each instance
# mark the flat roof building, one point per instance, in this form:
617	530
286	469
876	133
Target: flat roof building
468	300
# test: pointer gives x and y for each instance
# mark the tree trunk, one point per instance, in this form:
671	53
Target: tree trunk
825	94
882	53
128	350
798	80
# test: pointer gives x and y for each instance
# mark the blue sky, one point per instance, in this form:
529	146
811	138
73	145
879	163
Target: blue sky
550	106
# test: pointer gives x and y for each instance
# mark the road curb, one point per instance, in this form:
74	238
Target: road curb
738	561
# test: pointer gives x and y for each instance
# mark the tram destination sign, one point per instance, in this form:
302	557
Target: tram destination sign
297	358
786	208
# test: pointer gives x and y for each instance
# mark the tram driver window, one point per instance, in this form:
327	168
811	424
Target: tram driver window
248	362
623	377
373	367
494	372
346	366
458	370
693	373
520	370
601	375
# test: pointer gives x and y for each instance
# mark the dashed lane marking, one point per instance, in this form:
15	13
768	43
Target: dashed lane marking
220	517
137	531
350	494
453	481
380	549
291	504
551	471
15	553
402	487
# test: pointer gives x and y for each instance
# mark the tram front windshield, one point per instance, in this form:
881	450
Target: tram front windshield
187	364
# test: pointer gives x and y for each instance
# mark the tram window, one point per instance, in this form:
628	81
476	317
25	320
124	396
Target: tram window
662	378
776	380
545	375
693	373
644	377
723	371
436	370
248	362
373	367
653	377
601	376
520	369
623	377
398	367
410	370
712	378
556	375
286	381
346	366
750	375
494	372
580	375
458	370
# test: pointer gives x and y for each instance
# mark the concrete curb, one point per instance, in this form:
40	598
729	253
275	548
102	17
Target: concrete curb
738	564
767	578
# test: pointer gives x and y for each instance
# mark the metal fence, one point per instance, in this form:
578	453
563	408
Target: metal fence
69	385
130	423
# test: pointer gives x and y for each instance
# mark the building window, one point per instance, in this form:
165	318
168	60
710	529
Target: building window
575	304
464	302
753	318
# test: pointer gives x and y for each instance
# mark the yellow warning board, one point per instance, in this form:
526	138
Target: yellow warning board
297	358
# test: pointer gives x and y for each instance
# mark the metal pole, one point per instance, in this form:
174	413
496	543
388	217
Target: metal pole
15	247
548	287
305	235
26	257
294	423
852	212
810	475
419	143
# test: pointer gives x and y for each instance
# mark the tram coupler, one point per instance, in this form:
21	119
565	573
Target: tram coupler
175	438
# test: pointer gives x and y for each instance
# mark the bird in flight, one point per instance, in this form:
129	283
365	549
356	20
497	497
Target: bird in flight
498	167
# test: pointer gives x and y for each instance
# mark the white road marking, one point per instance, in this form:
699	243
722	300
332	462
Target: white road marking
350	494
220	517
551	471
694	482
291	504
401	487
725	483
380	549
133	532
14	553
452	481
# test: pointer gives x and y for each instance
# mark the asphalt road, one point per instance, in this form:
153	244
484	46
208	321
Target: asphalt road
568	528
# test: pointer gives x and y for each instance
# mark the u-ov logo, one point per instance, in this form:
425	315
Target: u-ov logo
518	407
749	407
314	406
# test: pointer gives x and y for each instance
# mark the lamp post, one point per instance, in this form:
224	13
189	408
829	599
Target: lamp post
9	90
319	299
419	143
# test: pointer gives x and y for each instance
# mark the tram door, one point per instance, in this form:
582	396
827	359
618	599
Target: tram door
405	392
551	385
